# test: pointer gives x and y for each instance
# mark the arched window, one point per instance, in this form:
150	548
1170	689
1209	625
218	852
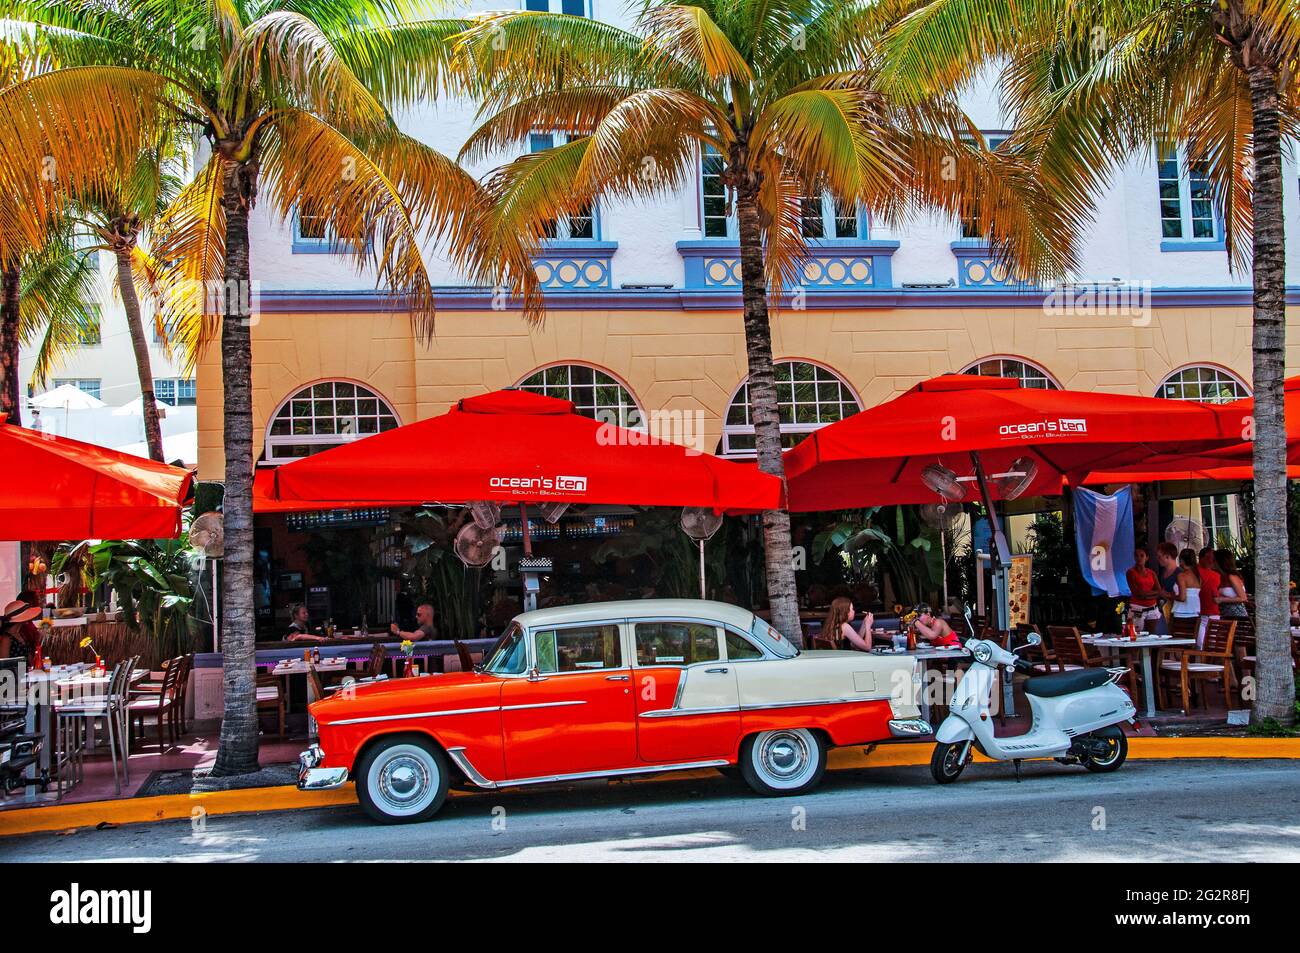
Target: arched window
323	415
1213	385
1029	375
808	396
593	392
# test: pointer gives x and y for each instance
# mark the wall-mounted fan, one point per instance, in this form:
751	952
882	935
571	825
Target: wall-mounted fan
943	482
1185	533
1016	480
486	513
208	534
551	512
700	523
476	545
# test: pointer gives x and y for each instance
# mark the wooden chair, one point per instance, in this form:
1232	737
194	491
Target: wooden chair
1194	666
160	706
819	642
1049	659
465	655
378	658
271	697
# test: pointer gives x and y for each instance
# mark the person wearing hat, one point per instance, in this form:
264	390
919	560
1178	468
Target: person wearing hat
18	637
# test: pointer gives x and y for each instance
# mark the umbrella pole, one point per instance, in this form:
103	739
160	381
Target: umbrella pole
703	595
1001	565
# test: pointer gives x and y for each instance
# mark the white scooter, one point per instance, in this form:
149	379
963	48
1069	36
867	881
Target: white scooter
1076	716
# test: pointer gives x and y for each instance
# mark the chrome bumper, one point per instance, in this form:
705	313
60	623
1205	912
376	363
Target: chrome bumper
909	727
312	777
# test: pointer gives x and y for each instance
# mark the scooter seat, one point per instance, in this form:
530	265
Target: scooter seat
1066	683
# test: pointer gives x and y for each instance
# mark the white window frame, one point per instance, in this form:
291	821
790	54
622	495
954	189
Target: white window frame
731	431
1186	221
272	441
1044	373
96	390
557	6
993	139
1222	373
564	223
629	413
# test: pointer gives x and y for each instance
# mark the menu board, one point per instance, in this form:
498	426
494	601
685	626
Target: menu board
1021	575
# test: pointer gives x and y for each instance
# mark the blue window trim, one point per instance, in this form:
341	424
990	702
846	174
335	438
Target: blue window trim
311	246
1194	244
695	252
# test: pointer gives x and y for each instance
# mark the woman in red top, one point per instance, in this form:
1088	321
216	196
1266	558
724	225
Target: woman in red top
930	628
1210	580
1144	591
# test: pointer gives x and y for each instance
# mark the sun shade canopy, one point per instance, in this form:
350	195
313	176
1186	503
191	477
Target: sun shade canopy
514	447
55	488
876	457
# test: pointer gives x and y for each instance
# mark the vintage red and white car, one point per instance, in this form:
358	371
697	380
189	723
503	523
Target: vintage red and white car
611	689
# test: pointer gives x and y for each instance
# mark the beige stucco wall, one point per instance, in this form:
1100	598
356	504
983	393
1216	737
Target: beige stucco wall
695	360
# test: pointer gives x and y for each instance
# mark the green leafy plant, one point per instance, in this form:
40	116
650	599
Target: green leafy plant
418	545
891	541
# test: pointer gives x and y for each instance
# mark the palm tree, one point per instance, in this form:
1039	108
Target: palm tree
782	92
288	95
1092	83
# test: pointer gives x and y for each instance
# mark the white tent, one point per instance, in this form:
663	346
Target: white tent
65	397
136	408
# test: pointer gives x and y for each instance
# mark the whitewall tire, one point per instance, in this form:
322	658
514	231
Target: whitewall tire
783	762
402	779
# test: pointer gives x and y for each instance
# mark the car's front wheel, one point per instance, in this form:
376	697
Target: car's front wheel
783	762
402	779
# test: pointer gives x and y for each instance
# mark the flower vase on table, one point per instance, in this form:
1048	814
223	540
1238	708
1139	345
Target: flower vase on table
408	649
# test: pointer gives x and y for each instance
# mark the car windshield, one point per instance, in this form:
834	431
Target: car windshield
510	655
773	640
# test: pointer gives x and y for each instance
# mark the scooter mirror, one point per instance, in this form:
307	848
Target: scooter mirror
1034	639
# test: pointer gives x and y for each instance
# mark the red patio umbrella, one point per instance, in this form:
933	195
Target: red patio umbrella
514	446
879	456
1227	463
56	488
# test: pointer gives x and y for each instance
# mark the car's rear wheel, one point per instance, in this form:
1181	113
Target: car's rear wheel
402	779
783	762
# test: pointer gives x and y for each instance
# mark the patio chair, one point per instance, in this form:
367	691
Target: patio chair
1195	666
1049	660
76	715
465	655
378	658
159	706
270	697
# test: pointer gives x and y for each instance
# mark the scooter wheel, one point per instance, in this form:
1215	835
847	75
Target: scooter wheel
948	761
1116	752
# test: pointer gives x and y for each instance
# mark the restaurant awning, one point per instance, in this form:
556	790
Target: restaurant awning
514	447
56	488
1231	463
876	457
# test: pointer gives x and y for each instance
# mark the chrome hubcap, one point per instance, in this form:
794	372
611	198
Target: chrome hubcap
403	779
784	756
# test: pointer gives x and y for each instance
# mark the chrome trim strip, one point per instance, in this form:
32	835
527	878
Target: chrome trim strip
681	712
543	705
322	779
476	778
677	711
909	727
417	714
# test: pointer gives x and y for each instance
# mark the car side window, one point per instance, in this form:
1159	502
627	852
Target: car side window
578	649
510	655
676	643
739	648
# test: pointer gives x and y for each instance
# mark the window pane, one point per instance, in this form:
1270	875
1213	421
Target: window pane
675	643
739	649
574	8
579	649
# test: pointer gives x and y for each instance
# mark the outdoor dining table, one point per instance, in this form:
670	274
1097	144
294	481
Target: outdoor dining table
44	689
1144	644
325	666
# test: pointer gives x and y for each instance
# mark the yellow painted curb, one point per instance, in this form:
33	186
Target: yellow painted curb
58	817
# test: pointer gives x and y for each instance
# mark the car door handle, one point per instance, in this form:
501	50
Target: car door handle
617	678
715	671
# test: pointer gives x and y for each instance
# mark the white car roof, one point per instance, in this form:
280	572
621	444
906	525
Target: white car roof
722	612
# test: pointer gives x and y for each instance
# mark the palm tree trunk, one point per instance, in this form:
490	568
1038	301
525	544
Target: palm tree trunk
237	753
143	364
782	596
1275	688
10	401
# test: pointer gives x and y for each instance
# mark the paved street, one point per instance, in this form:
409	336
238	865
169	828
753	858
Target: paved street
1153	811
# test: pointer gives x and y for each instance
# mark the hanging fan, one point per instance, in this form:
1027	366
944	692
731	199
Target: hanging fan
486	513
476	545
939	515
943	482
208	534
1185	533
700	523
551	512
1017	479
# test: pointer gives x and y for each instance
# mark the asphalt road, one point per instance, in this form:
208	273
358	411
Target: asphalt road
1201	810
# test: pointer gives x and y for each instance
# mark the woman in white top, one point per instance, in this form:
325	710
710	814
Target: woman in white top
1187	592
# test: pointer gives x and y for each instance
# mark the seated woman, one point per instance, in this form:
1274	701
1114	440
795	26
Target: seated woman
18	636
933	630
837	630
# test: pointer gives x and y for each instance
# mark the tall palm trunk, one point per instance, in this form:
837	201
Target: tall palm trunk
1275	688
143	363
237	753
10	402
781	593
